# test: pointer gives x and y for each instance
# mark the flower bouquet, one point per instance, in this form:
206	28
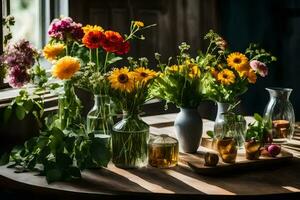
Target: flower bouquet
129	90
181	84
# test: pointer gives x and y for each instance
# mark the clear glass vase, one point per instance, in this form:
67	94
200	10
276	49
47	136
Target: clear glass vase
99	118
129	142
280	112
239	124
69	107
227	138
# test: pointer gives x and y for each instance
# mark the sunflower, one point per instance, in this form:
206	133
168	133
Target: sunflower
138	24
143	74
122	79
89	28
238	61
194	71
51	51
226	77
65	67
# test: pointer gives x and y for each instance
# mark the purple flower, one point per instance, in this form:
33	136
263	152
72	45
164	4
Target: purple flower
18	58
259	67
65	28
18	77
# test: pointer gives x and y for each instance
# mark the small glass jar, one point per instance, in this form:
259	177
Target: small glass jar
281	113
163	151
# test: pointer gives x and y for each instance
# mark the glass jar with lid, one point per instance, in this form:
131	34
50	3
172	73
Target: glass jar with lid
163	151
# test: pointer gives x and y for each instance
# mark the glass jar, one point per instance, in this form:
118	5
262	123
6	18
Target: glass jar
129	141
163	151
227	144
280	112
99	118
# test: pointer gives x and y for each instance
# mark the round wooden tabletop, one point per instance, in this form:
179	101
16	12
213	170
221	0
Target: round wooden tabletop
276	182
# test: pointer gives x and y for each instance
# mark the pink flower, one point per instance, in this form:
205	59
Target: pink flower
259	67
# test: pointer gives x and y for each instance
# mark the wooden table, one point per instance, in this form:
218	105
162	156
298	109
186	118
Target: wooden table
279	182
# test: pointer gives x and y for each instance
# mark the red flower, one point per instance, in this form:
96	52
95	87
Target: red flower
93	39
115	43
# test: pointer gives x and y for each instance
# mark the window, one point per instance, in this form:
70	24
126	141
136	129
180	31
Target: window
32	19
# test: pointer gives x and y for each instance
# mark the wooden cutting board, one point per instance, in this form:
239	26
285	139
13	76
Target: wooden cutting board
196	162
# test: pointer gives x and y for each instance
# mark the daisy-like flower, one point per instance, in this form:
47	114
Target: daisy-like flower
93	39
214	72
259	67
138	24
89	28
143	74
52	51
194	71
122	79
226	77
238	61
65	67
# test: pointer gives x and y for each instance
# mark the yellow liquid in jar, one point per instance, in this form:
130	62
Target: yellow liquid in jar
163	156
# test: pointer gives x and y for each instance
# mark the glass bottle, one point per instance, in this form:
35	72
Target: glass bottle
129	141
280	112
163	151
99	118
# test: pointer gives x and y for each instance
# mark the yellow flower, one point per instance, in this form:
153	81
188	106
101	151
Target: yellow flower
122	79
89	28
251	76
194	71
65	67
226	77
138	24
143	74
238	61
51	51
175	68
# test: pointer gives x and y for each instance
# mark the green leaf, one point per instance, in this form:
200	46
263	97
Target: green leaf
28	105
20	112
53	175
257	117
210	134
100	151
7	113
113	60
4	159
63	160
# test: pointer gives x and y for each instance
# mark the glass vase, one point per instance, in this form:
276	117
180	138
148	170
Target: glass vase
227	144
280	112
129	142
99	118
69	107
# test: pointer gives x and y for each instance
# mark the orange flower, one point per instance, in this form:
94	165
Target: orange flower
65	67
214	72
93	39
251	76
115	43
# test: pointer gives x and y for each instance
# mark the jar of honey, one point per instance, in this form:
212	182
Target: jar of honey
162	151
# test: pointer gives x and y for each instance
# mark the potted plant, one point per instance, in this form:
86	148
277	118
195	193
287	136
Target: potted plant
181	84
257	135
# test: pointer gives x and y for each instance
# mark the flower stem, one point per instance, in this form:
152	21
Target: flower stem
105	62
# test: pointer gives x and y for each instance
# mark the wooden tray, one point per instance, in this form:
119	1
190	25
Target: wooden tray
196	162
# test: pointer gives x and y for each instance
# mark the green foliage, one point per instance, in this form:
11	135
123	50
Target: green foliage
60	155
259	129
7	22
180	84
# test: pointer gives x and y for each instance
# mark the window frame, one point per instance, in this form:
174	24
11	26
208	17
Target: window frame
48	10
